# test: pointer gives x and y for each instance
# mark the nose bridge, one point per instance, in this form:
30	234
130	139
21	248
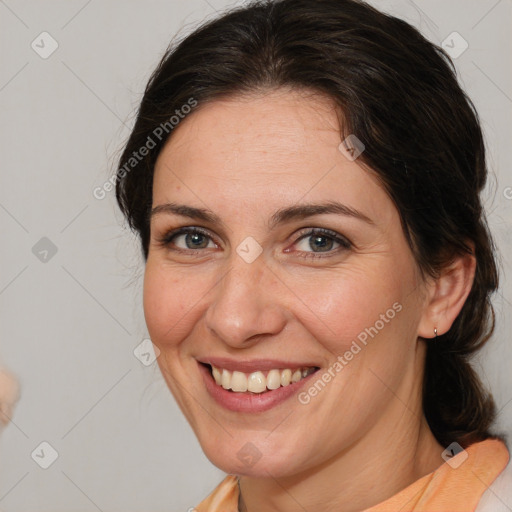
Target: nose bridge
244	303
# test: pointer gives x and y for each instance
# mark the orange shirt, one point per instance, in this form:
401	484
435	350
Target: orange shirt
444	490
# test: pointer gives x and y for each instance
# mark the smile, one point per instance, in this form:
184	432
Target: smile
253	386
258	381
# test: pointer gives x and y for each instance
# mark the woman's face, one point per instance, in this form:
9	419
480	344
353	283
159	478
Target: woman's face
265	284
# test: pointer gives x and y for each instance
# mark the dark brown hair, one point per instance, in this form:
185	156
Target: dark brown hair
399	95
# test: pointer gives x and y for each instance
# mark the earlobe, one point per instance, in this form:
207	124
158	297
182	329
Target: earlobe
447	295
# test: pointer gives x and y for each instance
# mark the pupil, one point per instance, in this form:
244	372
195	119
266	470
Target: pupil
321	242
195	237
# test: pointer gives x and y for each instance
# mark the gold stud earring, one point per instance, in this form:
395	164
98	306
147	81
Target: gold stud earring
435	332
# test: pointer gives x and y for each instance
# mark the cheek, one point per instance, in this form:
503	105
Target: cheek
343	305
170	302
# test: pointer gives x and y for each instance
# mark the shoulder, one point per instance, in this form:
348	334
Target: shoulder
498	497
224	497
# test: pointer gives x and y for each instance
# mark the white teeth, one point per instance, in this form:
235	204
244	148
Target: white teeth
256	382
217	375
297	375
226	379
286	377
238	381
274	379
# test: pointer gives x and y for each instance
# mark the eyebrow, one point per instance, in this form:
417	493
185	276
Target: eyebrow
281	216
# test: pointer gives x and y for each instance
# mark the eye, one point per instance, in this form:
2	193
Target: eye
321	240
186	239
313	242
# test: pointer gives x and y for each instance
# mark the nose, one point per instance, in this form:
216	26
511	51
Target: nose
245	304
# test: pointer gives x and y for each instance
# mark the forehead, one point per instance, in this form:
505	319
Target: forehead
277	122
279	145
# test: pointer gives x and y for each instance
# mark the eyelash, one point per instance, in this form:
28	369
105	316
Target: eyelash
167	238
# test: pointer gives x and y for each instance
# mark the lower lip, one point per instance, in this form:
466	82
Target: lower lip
249	402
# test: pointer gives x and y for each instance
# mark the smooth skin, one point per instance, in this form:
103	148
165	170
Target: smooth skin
305	298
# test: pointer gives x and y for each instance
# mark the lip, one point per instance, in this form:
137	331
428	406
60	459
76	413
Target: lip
254	365
250	402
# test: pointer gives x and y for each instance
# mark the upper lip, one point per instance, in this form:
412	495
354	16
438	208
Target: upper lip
252	365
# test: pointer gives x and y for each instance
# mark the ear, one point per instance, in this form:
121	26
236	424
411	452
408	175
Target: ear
446	296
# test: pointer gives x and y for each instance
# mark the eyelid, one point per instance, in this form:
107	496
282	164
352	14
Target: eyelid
323	231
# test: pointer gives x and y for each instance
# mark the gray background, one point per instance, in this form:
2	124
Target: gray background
70	323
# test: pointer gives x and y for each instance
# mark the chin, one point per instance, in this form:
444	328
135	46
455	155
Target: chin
257	458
